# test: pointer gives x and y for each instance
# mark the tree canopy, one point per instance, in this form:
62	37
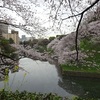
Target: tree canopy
37	17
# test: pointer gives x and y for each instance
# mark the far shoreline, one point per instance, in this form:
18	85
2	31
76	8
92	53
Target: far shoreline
80	74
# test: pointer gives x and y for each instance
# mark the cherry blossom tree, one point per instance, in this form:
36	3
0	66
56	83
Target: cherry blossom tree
21	14
63	11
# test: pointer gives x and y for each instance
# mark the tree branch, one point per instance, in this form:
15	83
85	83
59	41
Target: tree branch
7	56
72	16
11	10
77	32
76	38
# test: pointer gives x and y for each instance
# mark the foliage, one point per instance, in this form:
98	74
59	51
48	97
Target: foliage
41	45
91	63
50	51
6	71
60	36
92	49
6	49
86	43
11	41
16	68
43	42
33	42
51	38
72	48
5	95
80	67
41	49
14	55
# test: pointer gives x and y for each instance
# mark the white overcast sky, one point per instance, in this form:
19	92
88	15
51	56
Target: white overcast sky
42	13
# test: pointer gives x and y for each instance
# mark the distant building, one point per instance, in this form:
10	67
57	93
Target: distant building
23	38
4	32
3	28
30	38
13	35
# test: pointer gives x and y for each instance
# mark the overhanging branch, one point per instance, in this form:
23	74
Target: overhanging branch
77	32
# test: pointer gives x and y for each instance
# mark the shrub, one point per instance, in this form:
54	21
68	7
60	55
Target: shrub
51	38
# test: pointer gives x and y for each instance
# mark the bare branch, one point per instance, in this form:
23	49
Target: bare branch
72	16
72	10
11	10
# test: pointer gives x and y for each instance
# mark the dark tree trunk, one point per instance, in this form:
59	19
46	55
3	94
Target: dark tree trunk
77	30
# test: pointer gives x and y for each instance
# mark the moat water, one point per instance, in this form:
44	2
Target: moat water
43	77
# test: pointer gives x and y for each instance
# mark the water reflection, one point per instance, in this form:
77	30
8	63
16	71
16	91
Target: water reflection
83	87
35	76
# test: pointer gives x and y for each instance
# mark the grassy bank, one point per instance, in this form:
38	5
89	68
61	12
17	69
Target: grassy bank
90	47
80	68
81	71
